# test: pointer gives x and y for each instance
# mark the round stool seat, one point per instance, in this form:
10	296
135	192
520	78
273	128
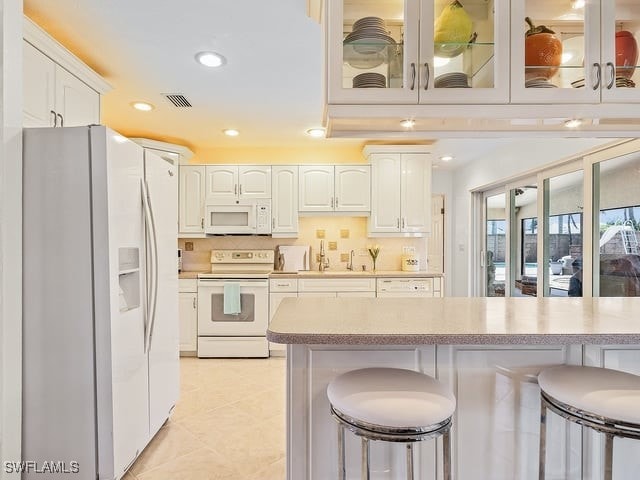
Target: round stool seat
391	397
599	391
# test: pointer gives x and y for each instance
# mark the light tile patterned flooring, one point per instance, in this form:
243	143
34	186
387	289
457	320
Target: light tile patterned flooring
228	424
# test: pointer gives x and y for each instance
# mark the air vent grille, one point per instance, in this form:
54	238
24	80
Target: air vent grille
178	100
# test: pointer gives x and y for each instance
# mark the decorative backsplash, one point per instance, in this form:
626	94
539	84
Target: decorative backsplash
334	228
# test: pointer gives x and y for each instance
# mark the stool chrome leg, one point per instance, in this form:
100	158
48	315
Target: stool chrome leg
342	473
446	455
365	458
608	457
543	439
409	461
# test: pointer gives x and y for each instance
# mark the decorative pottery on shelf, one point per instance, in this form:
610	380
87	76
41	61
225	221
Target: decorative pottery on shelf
453	31
542	52
626	54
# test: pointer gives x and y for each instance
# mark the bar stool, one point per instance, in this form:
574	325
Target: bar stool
392	405
599	398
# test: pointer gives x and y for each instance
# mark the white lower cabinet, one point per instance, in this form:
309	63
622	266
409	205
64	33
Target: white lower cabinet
496	426
188	315
279	289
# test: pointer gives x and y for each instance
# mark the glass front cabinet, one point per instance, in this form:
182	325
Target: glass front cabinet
417	51
482	51
575	51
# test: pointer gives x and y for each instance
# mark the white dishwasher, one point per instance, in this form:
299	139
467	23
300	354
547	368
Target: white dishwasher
404	287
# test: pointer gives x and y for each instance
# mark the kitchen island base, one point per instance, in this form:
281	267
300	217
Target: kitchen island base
495	432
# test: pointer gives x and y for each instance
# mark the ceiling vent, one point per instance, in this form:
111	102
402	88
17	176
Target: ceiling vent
178	100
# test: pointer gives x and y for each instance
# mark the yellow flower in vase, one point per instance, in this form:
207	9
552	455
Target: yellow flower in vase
374	252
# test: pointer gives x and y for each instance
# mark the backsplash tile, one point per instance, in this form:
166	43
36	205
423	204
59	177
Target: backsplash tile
390	248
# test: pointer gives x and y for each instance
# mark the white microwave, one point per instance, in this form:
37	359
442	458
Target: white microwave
247	218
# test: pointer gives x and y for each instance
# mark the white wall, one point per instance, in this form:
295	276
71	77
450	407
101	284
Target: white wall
10	231
507	160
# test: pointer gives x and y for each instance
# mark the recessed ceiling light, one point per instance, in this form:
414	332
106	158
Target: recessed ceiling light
317	132
231	132
576	4
210	59
407	123
573	123
142	106
446	158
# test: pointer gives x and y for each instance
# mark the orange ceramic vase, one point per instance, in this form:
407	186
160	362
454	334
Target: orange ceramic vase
626	54
542	52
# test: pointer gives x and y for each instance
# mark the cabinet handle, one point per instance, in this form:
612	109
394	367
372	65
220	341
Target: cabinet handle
61	120
273	223
598	70
427	75
332	201
397	222
235	189
402	222
55	118
413	76
612	75
240	189
195	305
202	223
336	202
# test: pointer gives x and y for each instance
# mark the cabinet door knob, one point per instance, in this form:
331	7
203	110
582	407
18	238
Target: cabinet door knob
427	75
612	75
55	118
598	70
413	76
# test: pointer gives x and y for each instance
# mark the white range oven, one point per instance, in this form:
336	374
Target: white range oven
238	278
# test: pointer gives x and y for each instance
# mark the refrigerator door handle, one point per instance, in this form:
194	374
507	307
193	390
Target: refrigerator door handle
152	288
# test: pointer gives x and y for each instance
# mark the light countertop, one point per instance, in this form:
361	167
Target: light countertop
354	274
456	321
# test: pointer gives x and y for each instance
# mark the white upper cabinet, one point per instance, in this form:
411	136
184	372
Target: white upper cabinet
284	200
401	192
59	90
343	188
229	184
191	199
591	56
417	51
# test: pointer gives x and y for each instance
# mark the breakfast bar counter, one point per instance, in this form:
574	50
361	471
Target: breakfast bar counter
487	350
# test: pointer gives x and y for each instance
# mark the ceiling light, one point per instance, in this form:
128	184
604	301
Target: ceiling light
119	138
440	61
142	106
231	132
407	123
576	4
446	158
210	59
317	132
573	123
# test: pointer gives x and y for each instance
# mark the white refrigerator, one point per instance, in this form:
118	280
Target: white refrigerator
100	315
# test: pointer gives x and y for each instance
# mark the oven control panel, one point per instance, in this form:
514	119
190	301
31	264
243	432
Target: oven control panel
242	256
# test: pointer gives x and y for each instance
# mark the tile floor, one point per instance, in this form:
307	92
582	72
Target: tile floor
228	424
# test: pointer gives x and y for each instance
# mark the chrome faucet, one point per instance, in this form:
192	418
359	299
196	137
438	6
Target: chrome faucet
323	264
350	264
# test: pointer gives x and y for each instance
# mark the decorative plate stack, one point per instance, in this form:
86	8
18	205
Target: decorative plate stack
539	82
369	80
621	82
367	43
452	80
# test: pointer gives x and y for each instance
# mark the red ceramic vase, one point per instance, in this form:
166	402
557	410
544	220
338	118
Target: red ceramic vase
626	54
